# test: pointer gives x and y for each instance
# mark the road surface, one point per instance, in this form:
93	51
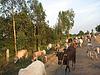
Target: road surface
84	65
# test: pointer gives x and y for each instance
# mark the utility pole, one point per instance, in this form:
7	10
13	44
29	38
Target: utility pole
14	31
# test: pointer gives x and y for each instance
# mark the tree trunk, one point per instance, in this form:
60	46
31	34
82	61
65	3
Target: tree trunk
36	37
68	35
7	55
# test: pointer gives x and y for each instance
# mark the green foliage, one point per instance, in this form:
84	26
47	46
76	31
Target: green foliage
65	22
28	17
97	28
21	39
66	19
30	25
81	33
87	32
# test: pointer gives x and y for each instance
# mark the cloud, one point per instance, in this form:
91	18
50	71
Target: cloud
86	12
87	17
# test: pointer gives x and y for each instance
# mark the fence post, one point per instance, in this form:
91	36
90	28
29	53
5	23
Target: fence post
7	55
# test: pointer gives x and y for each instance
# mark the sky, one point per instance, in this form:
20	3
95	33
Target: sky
87	13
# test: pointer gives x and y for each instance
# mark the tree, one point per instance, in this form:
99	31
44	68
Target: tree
81	33
37	15
6	32
24	30
97	28
7	9
87	32
31	27
66	20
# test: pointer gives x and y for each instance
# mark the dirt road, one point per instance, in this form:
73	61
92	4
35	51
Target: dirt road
84	65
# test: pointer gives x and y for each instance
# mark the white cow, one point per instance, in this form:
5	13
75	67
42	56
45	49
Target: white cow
97	50
80	42
49	46
21	54
35	68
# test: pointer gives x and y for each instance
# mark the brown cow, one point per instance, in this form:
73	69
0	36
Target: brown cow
39	54
21	54
66	56
69	55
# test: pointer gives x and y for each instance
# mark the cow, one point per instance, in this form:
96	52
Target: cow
80	42
49	46
21	54
60	54
69	55
57	48
93	52
35	68
98	50
40	53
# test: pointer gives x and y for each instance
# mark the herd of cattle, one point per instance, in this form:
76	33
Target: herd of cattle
69	53
65	53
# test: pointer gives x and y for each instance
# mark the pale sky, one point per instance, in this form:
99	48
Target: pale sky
87	12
